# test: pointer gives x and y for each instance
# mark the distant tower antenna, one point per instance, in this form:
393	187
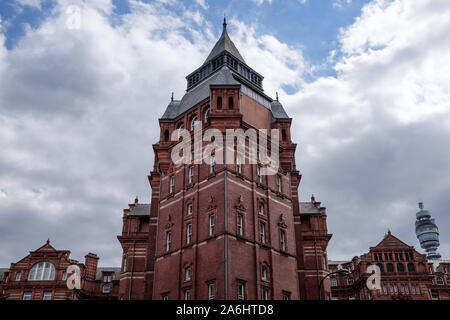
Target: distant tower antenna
428	233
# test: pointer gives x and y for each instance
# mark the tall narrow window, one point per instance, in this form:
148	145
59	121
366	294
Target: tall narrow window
238	164
194	123
212	164
180	130
64	276
189	233
262	232
211	291
333	282
258	173
187	294
206	117
265	294
191	174
283	134
212	221
240	224
349	281
278	183
261	207
230	103
188	274
283	240
400	267
125	264
18	276
168	240
264	272
166	135
241	291
390	267
219	102
189	209
171	184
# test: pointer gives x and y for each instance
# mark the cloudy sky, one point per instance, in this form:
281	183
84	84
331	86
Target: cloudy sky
366	82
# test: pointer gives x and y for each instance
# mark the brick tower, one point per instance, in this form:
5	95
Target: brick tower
222	230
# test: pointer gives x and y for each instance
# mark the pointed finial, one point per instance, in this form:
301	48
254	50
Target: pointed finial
136	200
277	95
172	97
313	199
389	231
421	205
224	22
48	241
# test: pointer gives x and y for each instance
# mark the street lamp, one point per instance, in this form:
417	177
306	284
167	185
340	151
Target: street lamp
340	271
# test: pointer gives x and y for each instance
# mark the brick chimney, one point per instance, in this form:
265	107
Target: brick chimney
91	262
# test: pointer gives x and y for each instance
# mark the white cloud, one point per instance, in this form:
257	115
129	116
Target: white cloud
341	3
203	4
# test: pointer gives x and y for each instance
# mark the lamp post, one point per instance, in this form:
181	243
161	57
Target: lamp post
340	271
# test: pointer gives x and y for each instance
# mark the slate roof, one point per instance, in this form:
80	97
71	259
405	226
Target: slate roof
140	209
224	44
116	270
199	93
278	111
308	208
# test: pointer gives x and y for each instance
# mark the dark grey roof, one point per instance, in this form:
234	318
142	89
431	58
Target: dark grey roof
308	208
116	270
199	93
140	209
224	44
278	111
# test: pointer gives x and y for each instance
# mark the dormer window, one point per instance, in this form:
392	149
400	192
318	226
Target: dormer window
230	103
42	271
219	102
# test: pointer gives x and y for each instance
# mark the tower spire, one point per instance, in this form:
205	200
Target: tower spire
224	22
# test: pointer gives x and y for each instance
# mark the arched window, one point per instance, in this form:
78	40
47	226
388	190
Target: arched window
440	281
333	282
230	103
166	135
42	271
390	267
411	267
180	130
206	115
349	281
194	122
219	102
379	265
400	267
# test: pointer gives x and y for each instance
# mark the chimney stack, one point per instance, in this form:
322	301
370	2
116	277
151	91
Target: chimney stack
91	262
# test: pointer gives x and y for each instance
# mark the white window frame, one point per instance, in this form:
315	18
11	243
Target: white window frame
212	224
212	164
190	209
263	272
168	240
27	295
194	123
240	224
191	174
64	276
47	295
171	183
187	294
187	274
180	130
262	232
18	276
211	291
238	164
278	183
265	293
258	173
241	291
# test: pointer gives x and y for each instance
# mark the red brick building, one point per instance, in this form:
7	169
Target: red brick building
42	275
405	274
224	231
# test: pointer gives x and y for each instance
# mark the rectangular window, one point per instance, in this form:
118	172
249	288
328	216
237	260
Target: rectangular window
261	208
188	274
18	276
172	183
189	209
189	233
241	291
211	224
278	183
27	295
240	222
106	288
47	295
64	276
211	291
168	240
191	174
283	240
212	164
187	294
262	232
125	264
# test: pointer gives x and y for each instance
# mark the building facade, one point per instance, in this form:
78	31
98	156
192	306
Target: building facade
223	230
405	274
42	275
